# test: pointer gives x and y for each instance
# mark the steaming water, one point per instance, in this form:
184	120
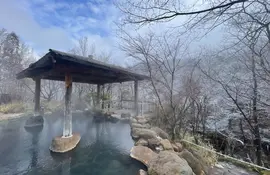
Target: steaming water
103	149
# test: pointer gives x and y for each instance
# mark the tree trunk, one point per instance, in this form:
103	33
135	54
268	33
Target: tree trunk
257	140
174	132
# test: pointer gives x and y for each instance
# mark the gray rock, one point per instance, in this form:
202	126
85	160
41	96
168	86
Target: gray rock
177	147
146	134
160	133
138	125
153	143
133	120
125	115
124	120
166	144
193	162
142	154
142	121
34	121
141	142
139	117
167	162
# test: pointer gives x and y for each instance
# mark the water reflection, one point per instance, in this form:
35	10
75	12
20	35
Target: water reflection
103	149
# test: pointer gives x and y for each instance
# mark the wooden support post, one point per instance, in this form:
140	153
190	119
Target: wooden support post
37	97
136	98
102	100
67	129
121	96
98	96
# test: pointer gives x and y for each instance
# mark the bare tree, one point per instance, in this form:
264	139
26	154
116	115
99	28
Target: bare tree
49	89
205	15
165	10
162	59
240	83
84	49
87	50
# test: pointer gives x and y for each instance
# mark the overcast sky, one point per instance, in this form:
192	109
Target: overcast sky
45	24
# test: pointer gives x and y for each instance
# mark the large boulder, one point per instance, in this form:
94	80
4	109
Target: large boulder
142	121
141	142
153	143
64	144
142	154
166	144
177	147
138	125
138	133
125	115
34	121
160	133
113	118
193	162
168	163
139	117
133	120
204	161
98	117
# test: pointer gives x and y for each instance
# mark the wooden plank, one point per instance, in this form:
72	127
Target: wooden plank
37	97
67	128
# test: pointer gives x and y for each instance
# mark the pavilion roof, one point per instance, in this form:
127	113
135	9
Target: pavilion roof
56	64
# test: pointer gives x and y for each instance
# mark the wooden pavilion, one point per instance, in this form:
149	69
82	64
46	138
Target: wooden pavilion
61	66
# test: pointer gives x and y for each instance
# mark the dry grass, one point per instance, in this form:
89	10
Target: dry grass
209	157
52	105
11	108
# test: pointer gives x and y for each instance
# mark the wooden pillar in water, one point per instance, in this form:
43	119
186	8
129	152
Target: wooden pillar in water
102	100
98	96
67	129
136	106
37	97
121	96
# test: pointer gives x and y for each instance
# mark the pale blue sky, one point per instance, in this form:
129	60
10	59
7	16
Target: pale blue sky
57	24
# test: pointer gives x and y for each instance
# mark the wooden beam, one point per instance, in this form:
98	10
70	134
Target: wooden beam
67	129
136	106
83	78
88	81
37	97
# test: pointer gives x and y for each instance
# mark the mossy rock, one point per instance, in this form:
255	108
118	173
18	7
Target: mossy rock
34	121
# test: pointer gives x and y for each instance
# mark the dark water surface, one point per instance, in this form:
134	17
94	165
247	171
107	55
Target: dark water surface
103	149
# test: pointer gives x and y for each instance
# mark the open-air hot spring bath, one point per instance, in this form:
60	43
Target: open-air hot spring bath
103	149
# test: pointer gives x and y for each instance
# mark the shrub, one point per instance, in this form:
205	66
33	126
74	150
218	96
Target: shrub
14	107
